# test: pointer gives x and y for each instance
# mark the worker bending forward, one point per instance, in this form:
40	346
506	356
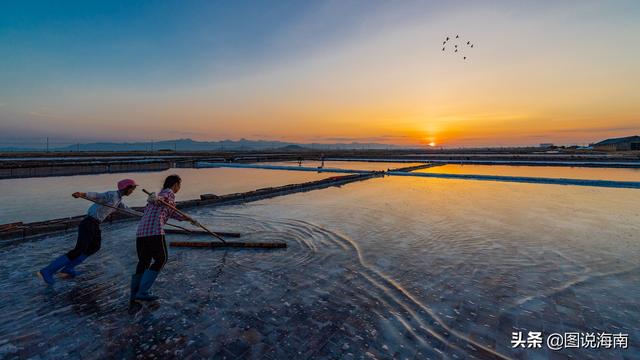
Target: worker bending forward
89	234
150	242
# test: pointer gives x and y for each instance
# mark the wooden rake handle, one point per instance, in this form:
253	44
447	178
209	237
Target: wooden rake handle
187	217
122	210
128	211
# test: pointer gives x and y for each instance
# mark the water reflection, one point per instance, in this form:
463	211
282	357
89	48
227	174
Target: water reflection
620	174
35	199
490	258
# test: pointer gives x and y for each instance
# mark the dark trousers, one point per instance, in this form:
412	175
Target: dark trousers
89	238
148	248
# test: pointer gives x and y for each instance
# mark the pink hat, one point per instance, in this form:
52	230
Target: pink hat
123	184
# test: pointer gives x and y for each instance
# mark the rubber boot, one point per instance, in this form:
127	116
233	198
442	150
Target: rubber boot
147	280
47	272
69	271
134	306
135	285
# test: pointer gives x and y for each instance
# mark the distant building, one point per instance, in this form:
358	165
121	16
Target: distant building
619	144
546	145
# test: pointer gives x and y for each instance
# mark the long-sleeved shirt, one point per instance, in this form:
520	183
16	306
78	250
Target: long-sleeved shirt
99	212
156	215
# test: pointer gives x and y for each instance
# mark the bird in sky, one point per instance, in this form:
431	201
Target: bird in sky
461	41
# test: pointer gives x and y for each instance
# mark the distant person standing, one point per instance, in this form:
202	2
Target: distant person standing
89	234
150	241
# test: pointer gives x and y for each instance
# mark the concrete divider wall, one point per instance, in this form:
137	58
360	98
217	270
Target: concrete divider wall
66	170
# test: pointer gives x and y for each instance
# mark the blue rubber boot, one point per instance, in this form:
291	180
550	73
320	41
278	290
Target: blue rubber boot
147	280
47	272
135	285
69	271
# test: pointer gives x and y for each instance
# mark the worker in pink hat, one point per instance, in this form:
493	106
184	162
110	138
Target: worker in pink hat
89	235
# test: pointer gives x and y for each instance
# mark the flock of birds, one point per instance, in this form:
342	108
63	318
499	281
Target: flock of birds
457	50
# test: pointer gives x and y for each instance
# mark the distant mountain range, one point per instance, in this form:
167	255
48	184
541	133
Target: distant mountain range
193	145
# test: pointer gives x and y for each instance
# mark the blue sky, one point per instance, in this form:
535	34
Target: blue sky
120	42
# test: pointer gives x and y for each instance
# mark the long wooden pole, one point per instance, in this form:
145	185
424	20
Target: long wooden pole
194	221
129	212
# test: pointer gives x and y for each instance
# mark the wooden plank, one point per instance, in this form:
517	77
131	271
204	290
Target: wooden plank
233	244
201	232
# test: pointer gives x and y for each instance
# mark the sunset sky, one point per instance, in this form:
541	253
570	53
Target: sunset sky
326	71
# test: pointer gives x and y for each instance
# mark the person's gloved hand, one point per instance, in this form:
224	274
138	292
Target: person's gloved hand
152	198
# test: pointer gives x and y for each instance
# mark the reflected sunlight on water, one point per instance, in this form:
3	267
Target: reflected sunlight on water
620	174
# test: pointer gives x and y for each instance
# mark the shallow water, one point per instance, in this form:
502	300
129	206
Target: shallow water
35	199
391	267
350	165
586	173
